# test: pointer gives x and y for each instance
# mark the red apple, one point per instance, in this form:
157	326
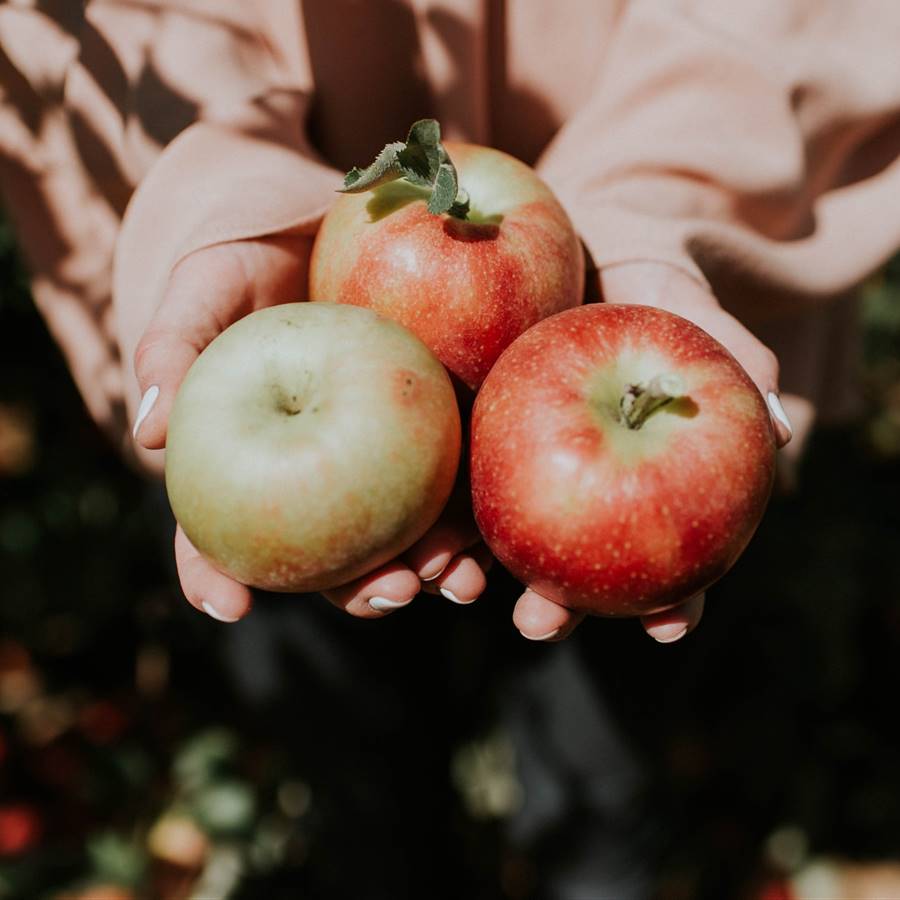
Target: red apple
467	287
621	459
309	444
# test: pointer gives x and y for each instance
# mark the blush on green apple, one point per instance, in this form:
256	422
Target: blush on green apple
468	283
309	444
621	459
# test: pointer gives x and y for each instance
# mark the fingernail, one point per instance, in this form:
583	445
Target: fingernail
541	637
437	574
668	634
778	411
147	402
215	614
383	604
451	596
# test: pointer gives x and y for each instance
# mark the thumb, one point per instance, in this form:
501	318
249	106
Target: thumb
757	360
206	293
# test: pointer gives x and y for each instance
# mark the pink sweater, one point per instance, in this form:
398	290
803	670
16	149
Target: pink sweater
754	145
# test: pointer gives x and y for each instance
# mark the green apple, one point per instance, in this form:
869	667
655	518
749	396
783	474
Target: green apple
309	444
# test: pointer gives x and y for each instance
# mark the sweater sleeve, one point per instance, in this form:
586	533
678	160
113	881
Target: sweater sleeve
753	145
132	135
242	170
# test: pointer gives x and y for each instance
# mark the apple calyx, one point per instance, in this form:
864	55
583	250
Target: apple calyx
420	160
641	400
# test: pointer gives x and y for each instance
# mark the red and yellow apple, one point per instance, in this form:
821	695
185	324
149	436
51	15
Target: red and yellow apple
310	443
621	459
467	287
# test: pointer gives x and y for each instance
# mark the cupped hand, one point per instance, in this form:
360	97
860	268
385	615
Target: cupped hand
208	291
669	288
450	560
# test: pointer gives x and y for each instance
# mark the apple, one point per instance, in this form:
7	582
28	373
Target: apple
621	459
310	443
467	282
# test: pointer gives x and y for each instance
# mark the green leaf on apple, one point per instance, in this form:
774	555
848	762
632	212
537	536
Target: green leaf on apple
420	160
422	154
444	191
385	168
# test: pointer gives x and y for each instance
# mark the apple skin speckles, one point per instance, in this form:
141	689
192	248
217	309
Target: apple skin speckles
309	444
467	289
609	519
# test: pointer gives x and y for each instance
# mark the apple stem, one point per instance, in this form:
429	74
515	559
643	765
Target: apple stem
640	400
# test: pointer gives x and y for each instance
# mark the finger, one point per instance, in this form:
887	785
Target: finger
540	619
377	594
430	556
761	364
479	553
802	414
205	587
783	429
757	360
206	292
462	581
673	624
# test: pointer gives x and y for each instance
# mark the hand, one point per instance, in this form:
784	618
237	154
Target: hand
666	287
449	560
207	292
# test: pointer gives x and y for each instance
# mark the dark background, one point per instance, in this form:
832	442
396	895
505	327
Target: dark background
146	751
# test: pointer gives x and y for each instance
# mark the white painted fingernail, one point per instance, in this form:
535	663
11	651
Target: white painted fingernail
778	411
436	574
541	637
147	402
211	611
451	596
383	604
668	634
